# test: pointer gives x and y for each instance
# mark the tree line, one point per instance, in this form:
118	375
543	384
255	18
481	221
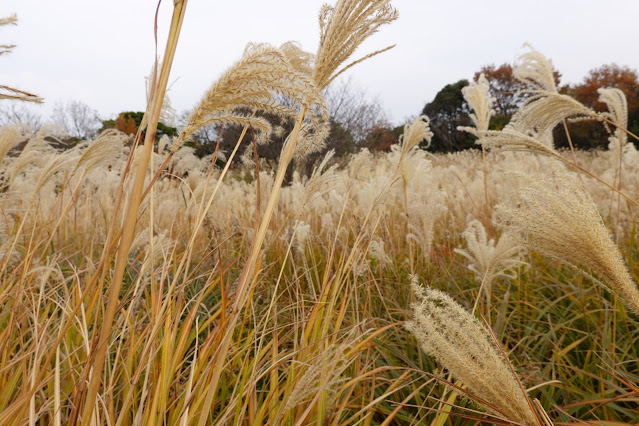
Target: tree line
449	109
359	121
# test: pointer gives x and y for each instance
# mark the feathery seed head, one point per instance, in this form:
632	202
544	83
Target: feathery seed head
324	371
617	112
542	112
9	137
301	60
422	216
342	29
489	260
415	133
105	147
167	112
259	81
7	92
461	344
13	19
512	139
556	217
10	20
546	108
476	94
536	70
56	163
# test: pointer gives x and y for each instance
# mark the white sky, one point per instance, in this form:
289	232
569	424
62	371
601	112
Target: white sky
99	51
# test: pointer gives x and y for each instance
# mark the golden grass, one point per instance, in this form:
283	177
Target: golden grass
129	295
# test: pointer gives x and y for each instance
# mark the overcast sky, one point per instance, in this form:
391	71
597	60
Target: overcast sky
100	51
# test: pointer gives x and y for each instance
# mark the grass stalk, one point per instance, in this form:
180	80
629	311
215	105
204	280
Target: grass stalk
154	109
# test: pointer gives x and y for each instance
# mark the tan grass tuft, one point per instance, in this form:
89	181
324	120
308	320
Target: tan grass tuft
56	163
542	112
535	70
489	260
9	20
324	372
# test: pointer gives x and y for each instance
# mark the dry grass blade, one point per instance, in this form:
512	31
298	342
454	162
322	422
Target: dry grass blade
7	92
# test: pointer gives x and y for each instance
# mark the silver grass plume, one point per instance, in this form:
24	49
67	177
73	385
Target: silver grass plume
617	112
536	71
342	29
556	217
546	107
413	135
105	147
489	260
7	92
10	136
476	95
463	346
164	143
301	60
542	112
9	20
56	163
8	250
33	151
621	152
513	139
421	216
261	80
321	180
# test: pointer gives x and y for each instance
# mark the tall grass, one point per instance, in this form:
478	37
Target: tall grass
194	295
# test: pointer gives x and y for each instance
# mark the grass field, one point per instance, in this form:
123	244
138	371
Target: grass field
145	285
